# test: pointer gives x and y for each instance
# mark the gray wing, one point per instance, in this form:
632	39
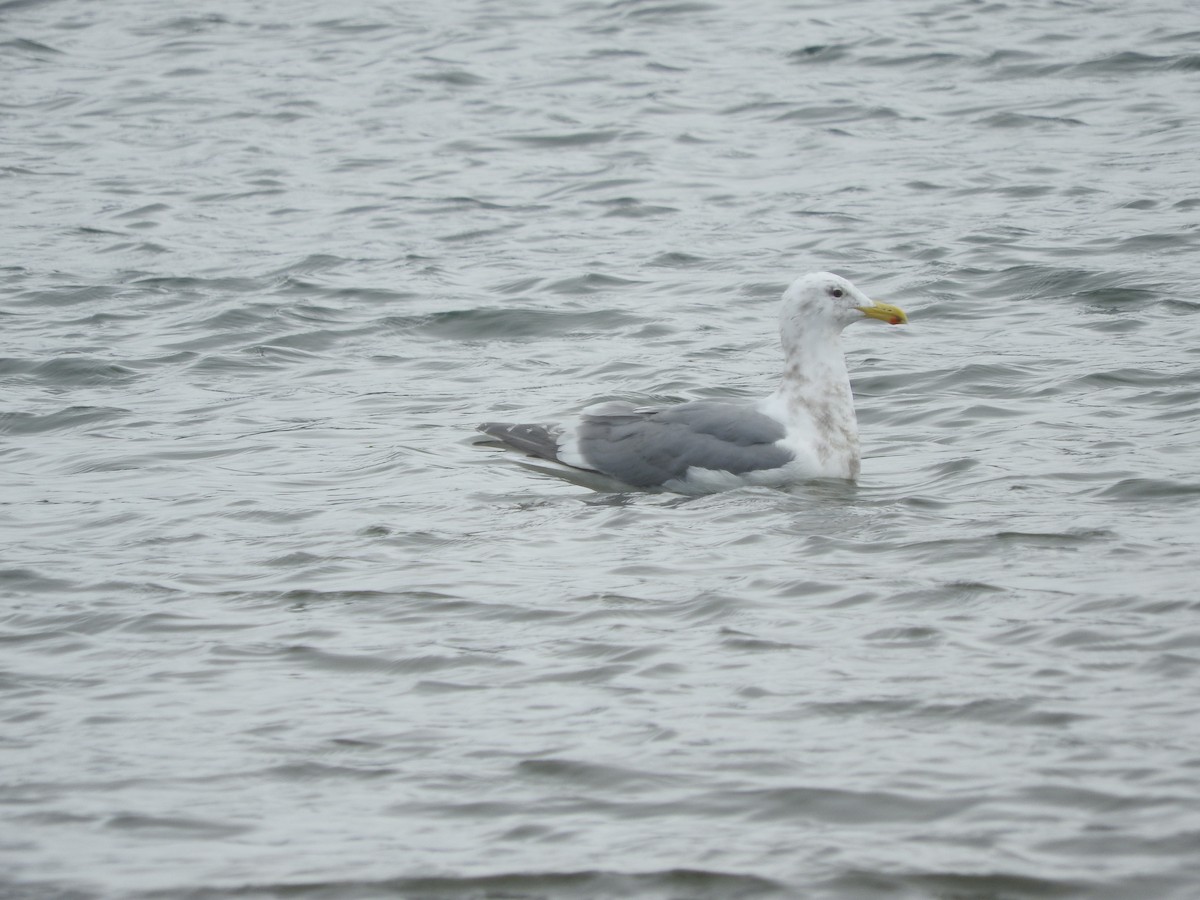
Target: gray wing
646	448
536	440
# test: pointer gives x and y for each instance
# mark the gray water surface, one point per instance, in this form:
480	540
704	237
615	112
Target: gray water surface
274	626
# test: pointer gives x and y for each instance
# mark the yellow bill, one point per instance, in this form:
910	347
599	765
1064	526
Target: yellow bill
885	312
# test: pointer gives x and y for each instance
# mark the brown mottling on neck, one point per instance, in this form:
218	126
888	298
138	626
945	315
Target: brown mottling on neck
794	373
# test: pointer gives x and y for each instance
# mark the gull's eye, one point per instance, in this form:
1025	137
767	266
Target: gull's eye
837	292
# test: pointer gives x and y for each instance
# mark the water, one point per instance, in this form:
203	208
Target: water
274	626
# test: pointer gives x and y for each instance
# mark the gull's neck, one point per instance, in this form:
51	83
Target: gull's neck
814	398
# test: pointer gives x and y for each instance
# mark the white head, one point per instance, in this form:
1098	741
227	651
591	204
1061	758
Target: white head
819	306
824	301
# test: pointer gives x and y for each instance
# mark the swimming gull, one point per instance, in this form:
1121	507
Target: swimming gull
805	430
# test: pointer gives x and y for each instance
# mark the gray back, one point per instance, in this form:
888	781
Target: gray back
648	448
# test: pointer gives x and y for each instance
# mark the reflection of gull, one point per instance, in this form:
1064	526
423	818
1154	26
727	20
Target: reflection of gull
806	429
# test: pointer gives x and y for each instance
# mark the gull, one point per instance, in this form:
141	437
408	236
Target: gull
805	430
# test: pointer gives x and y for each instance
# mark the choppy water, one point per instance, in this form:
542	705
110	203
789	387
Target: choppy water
273	625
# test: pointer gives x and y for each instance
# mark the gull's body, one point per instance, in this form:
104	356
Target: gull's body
805	430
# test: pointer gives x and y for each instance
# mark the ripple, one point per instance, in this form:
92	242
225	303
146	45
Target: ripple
67	419
169	828
509	324
697	883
